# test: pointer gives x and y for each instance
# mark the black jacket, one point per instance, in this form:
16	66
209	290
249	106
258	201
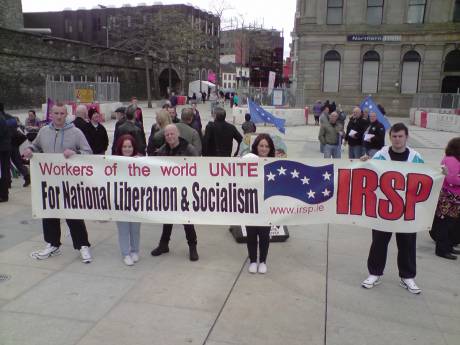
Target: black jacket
98	139
378	141
137	133
8	126
359	125
83	126
183	149
218	139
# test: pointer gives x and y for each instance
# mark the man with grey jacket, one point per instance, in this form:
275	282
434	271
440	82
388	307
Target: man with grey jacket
65	138
186	130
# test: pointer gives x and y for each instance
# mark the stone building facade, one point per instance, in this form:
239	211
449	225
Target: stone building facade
11	14
344	50
120	27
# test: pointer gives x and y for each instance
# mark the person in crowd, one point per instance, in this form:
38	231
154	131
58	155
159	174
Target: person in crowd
213	100
374	135
8	126
219	136
166	106
263	146
196	123
406	242
193	97
236	99
186	130
81	120
330	136
32	124
18	138
98	138
355	134
138	116
446	224
130	126
176	146
324	120
317	109
221	99
128	232
365	113
203	97
173	114
248	126
332	107
157	138
173	100
65	138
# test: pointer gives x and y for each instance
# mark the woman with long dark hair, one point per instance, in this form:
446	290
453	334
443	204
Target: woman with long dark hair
263	147
128	232
446	224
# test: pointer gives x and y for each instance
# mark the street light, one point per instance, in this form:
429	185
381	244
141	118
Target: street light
106	27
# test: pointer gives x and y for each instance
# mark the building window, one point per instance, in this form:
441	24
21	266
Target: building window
410	71
334	11
80	25
370	77
128	20
452	61
457	11
416	11
67	26
374	12
225	76
331	73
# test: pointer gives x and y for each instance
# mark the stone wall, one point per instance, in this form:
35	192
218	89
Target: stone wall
11	14
26	59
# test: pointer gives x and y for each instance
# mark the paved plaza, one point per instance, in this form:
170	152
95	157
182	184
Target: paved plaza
310	295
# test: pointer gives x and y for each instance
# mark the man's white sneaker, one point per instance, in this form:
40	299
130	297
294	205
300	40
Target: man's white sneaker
128	260
85	255
135	257
371	281
252	267
410	285
45	253
262	268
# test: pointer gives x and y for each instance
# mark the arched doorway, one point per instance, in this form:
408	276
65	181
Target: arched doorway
451	80
164	82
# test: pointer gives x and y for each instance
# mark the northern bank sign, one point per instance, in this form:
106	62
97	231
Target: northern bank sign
374	38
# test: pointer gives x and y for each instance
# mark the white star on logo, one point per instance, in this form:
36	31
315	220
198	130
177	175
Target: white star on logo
295	174
281	171
327	176
305	180
271	177
326	192
311	194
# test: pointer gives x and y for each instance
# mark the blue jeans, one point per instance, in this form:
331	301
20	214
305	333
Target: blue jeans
355	151
332	151
129	234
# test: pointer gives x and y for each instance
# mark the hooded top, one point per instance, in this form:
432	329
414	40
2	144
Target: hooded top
53	140
383	154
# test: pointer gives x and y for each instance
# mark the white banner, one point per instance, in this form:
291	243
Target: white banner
391	196
271	81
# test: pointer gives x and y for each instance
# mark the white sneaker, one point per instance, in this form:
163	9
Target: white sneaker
252	267
371	281
135	257
85	255
128	260
45	253
262	268
410	285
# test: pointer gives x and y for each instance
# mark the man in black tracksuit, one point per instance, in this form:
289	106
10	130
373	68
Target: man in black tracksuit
375	134
219	136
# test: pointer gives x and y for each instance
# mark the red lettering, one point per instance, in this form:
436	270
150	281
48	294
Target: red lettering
252	169
343	191
363	186
393	208
418	190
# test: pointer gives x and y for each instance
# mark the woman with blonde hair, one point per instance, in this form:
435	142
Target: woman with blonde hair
156	138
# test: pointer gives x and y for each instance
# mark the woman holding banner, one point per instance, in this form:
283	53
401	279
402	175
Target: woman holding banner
263	147
446	224
128	232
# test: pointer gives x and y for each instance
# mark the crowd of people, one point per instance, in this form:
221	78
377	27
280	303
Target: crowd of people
173	136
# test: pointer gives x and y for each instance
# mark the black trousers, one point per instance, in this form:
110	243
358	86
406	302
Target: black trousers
264	242
443	231
52	232
5	173
406	253
17	162
189	229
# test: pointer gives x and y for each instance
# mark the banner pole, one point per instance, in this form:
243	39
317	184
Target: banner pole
327	285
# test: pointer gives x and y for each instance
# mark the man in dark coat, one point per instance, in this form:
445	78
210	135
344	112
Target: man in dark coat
219	136
98	138
8	125
129	126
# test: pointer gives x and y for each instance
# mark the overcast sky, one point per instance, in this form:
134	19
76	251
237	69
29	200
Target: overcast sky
271	13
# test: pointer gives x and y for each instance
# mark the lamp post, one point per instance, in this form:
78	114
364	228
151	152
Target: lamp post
106	27
147	78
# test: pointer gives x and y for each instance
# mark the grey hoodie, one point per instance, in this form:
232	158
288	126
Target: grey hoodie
52	140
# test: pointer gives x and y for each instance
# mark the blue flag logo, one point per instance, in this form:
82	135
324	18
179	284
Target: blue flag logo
369	103
312	185
259	115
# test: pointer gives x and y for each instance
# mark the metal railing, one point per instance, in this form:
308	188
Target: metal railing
83	91
261	96
436	100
